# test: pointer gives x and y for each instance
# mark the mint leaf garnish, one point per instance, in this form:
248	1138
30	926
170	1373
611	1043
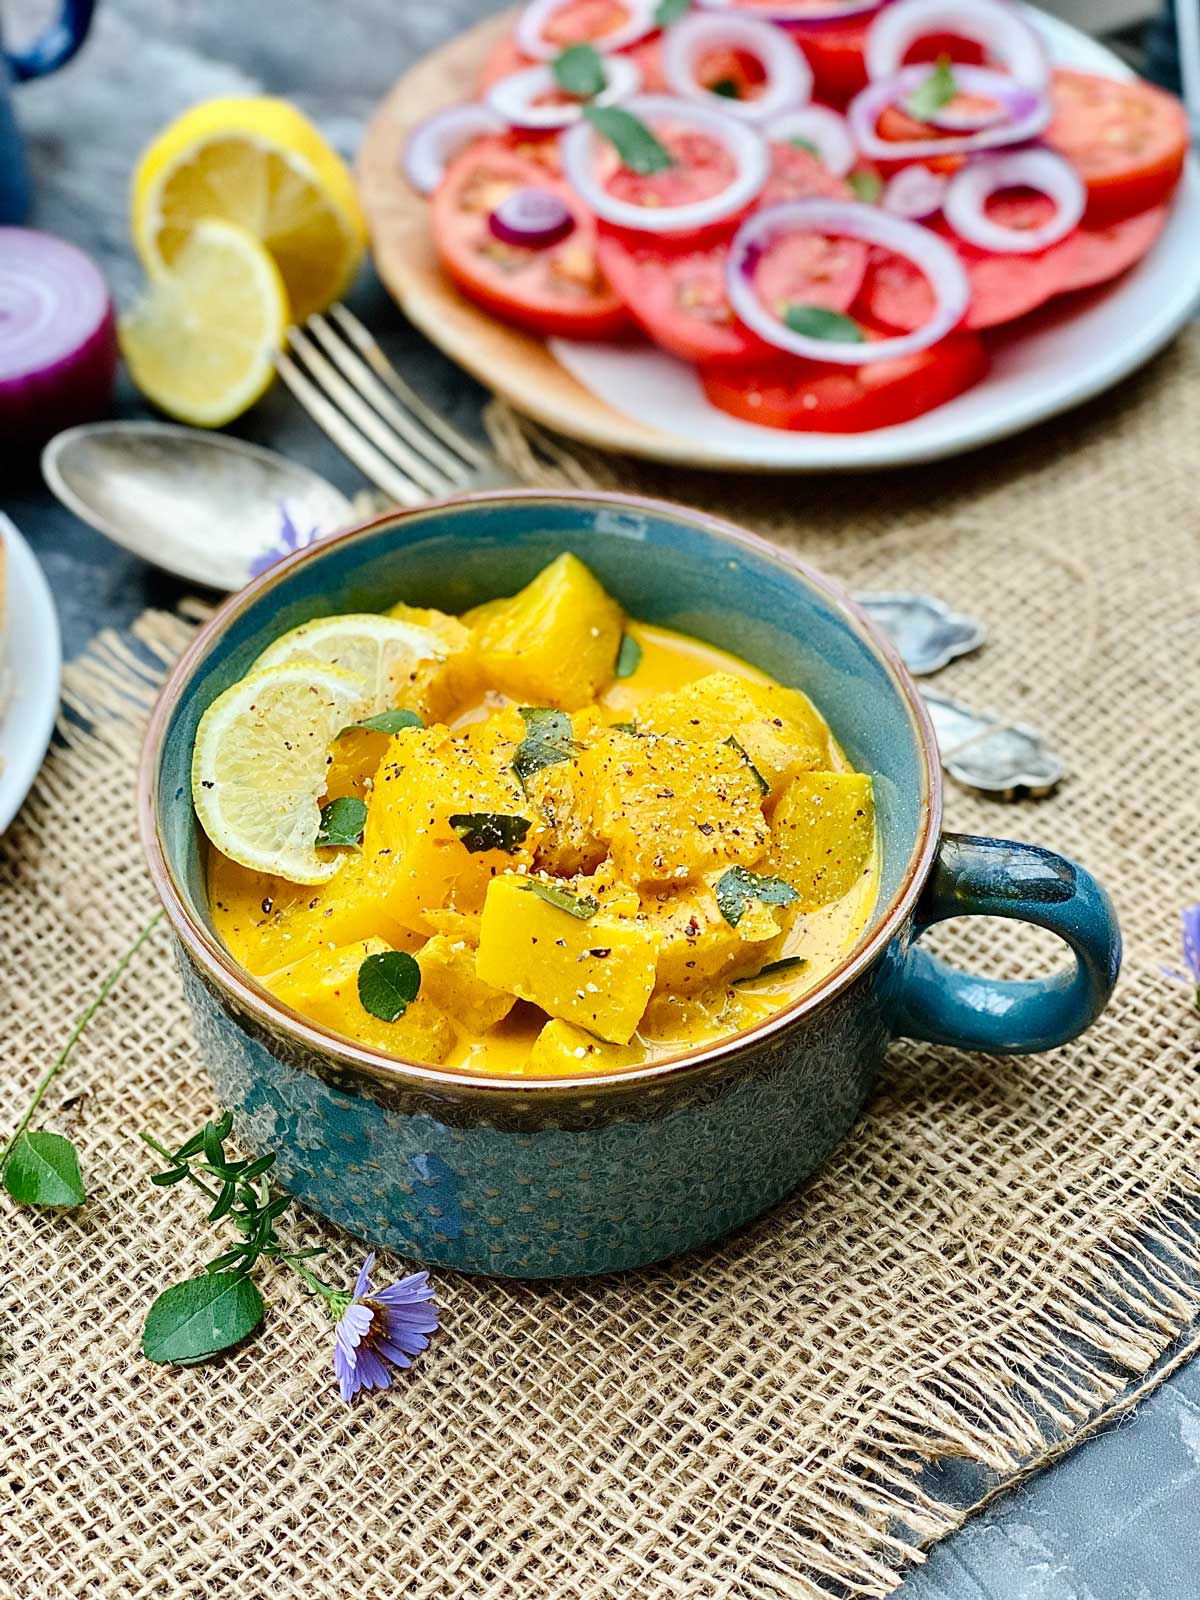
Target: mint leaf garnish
388	983
385	722
197	1319
342	823
725	87
867	186
579	71
763	786
668	11
806	145
43	1170
549	739
581	906
489	830
737	887
629	657
815	322
933	92
633	141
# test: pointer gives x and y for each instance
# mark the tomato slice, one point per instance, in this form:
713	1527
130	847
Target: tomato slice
819	397
701	167
836	54
1104	253
1126	140
557	290
796	174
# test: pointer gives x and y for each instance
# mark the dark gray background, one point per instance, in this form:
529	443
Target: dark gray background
1119	1519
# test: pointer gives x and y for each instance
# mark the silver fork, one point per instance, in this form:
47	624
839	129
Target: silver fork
340	375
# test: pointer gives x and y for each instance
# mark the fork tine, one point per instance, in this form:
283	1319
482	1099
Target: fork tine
346	398
359	374
349	441
369	347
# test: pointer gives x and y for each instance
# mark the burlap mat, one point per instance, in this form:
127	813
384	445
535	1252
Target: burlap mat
998	1251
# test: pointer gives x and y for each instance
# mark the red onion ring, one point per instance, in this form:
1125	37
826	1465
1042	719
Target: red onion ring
512	97
968	192
530	217
789	78
997	25
930	254
915	193
434	143
828	11
531	39
826	130
1029	115
58	341
743	141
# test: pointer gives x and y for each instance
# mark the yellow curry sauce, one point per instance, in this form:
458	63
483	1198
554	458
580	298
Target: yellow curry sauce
656	967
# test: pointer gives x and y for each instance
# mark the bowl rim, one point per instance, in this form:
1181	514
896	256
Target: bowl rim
360	1060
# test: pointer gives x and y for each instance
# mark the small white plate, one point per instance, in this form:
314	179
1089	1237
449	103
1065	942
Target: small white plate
1060	357
33	657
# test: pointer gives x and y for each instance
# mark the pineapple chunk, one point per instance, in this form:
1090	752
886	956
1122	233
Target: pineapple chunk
670	809
597	972
553	644
419	858
562	1048
823	835
778	728
449	979
324	988
699	947
441	688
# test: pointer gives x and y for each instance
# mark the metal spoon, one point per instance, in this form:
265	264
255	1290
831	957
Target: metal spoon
201	505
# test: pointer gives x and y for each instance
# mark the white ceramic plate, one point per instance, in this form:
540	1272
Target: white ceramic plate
33	655
1052	361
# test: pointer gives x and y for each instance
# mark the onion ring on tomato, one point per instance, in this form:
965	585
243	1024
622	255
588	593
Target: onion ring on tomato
914	192
997	25
827	131
744	142
1029	115
435	141
930	254
968	192
513	98
788	76
798	14
531	38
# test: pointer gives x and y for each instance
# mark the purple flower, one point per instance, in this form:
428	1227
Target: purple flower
375	1328
1191	941
290	539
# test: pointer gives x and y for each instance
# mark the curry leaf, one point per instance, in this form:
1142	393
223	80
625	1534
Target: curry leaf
43	1170
763	786
197	1319
582	906
489	830
633	141
342	822
737	887
817	322
388	983
629	657
386	722
549	739
579	71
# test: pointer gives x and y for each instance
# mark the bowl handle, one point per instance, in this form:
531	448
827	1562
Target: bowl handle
997	878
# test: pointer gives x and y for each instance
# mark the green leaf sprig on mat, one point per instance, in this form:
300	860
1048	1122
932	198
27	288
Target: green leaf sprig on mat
42	1168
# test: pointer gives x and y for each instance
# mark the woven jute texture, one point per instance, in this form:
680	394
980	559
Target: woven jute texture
995	1255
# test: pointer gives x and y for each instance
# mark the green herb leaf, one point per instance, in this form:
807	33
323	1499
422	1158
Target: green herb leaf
737	887
388	983
637	147
43	1170
815	322
867	186
579	71
625	727
342	822
668	11
173	1175
581	906
385	722
197	1319
549	739
806	145
763	786
933	92
726	87
489	830
629	657
773	968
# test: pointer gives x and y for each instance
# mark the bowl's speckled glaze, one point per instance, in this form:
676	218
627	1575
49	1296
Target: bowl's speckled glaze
539	1178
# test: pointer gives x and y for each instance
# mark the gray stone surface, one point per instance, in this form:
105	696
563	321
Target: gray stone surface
1117	1520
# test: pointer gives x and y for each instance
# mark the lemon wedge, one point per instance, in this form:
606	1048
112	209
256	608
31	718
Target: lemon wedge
201	343
385	654
261	164
258	768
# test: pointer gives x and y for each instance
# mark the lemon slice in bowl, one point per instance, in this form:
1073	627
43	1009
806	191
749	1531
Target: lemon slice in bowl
259	763
260	163
385	654
201	343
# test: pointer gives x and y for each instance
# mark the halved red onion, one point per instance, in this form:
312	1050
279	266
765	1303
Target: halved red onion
930	254
531	37
788	78
968	192
915	192
997	25
58	339
434	143
514	97
816	13
827	131
744	142
1027	114
532	217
